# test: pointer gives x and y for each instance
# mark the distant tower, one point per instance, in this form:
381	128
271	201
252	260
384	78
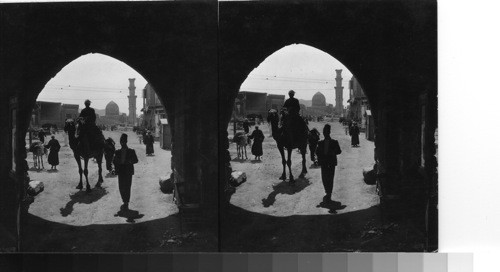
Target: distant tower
339	90
131	102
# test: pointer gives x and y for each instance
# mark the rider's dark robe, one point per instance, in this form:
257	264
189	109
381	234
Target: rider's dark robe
293	106
89	115
294	125
89	130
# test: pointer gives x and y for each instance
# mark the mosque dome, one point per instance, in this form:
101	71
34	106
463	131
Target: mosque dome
112	109
318	100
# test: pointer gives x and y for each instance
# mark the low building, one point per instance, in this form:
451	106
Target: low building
153	110
52	113
254	103
69	111
274	101
358	103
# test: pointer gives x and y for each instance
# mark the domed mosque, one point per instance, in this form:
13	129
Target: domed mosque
319	100
112	109
111	115
319	106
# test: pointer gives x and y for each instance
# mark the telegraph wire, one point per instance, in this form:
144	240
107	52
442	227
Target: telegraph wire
79	86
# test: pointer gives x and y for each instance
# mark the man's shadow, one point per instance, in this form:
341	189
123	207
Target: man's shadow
131	215
332	206
83	197
285	187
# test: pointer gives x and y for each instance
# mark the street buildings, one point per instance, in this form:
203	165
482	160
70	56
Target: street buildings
152	110
52	113
359	109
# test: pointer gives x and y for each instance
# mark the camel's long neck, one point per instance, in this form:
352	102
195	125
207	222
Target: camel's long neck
275	123
71	133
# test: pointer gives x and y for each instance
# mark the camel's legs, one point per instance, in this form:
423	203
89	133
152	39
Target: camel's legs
99	164
283	161
86	172
289	163
41	160
304	168
80	170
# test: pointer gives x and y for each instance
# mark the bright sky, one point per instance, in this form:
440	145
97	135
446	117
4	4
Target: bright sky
300	67
96	77
101	79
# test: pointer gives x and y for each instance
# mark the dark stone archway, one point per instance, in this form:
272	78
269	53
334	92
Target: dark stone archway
389	45
173	45
391	48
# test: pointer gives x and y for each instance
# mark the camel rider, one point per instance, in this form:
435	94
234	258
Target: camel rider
88	114
89	126
292	104
295	123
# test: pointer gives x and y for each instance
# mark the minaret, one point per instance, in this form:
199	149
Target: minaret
339	90
131	102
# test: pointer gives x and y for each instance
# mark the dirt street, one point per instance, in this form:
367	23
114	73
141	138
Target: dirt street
63	218
264	193
268	214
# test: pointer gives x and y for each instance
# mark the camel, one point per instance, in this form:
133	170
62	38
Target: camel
285	141
95	150
241	139
38	150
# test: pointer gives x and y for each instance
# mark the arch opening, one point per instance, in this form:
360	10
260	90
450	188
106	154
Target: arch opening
328	93
124	103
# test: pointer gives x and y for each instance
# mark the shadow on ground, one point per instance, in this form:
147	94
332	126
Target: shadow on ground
40	235
84	198
363	230
285	187
131	215
332	206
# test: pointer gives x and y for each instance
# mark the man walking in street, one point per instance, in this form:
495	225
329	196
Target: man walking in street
54	147
354	132
149	141
327	152
258	138
124	161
